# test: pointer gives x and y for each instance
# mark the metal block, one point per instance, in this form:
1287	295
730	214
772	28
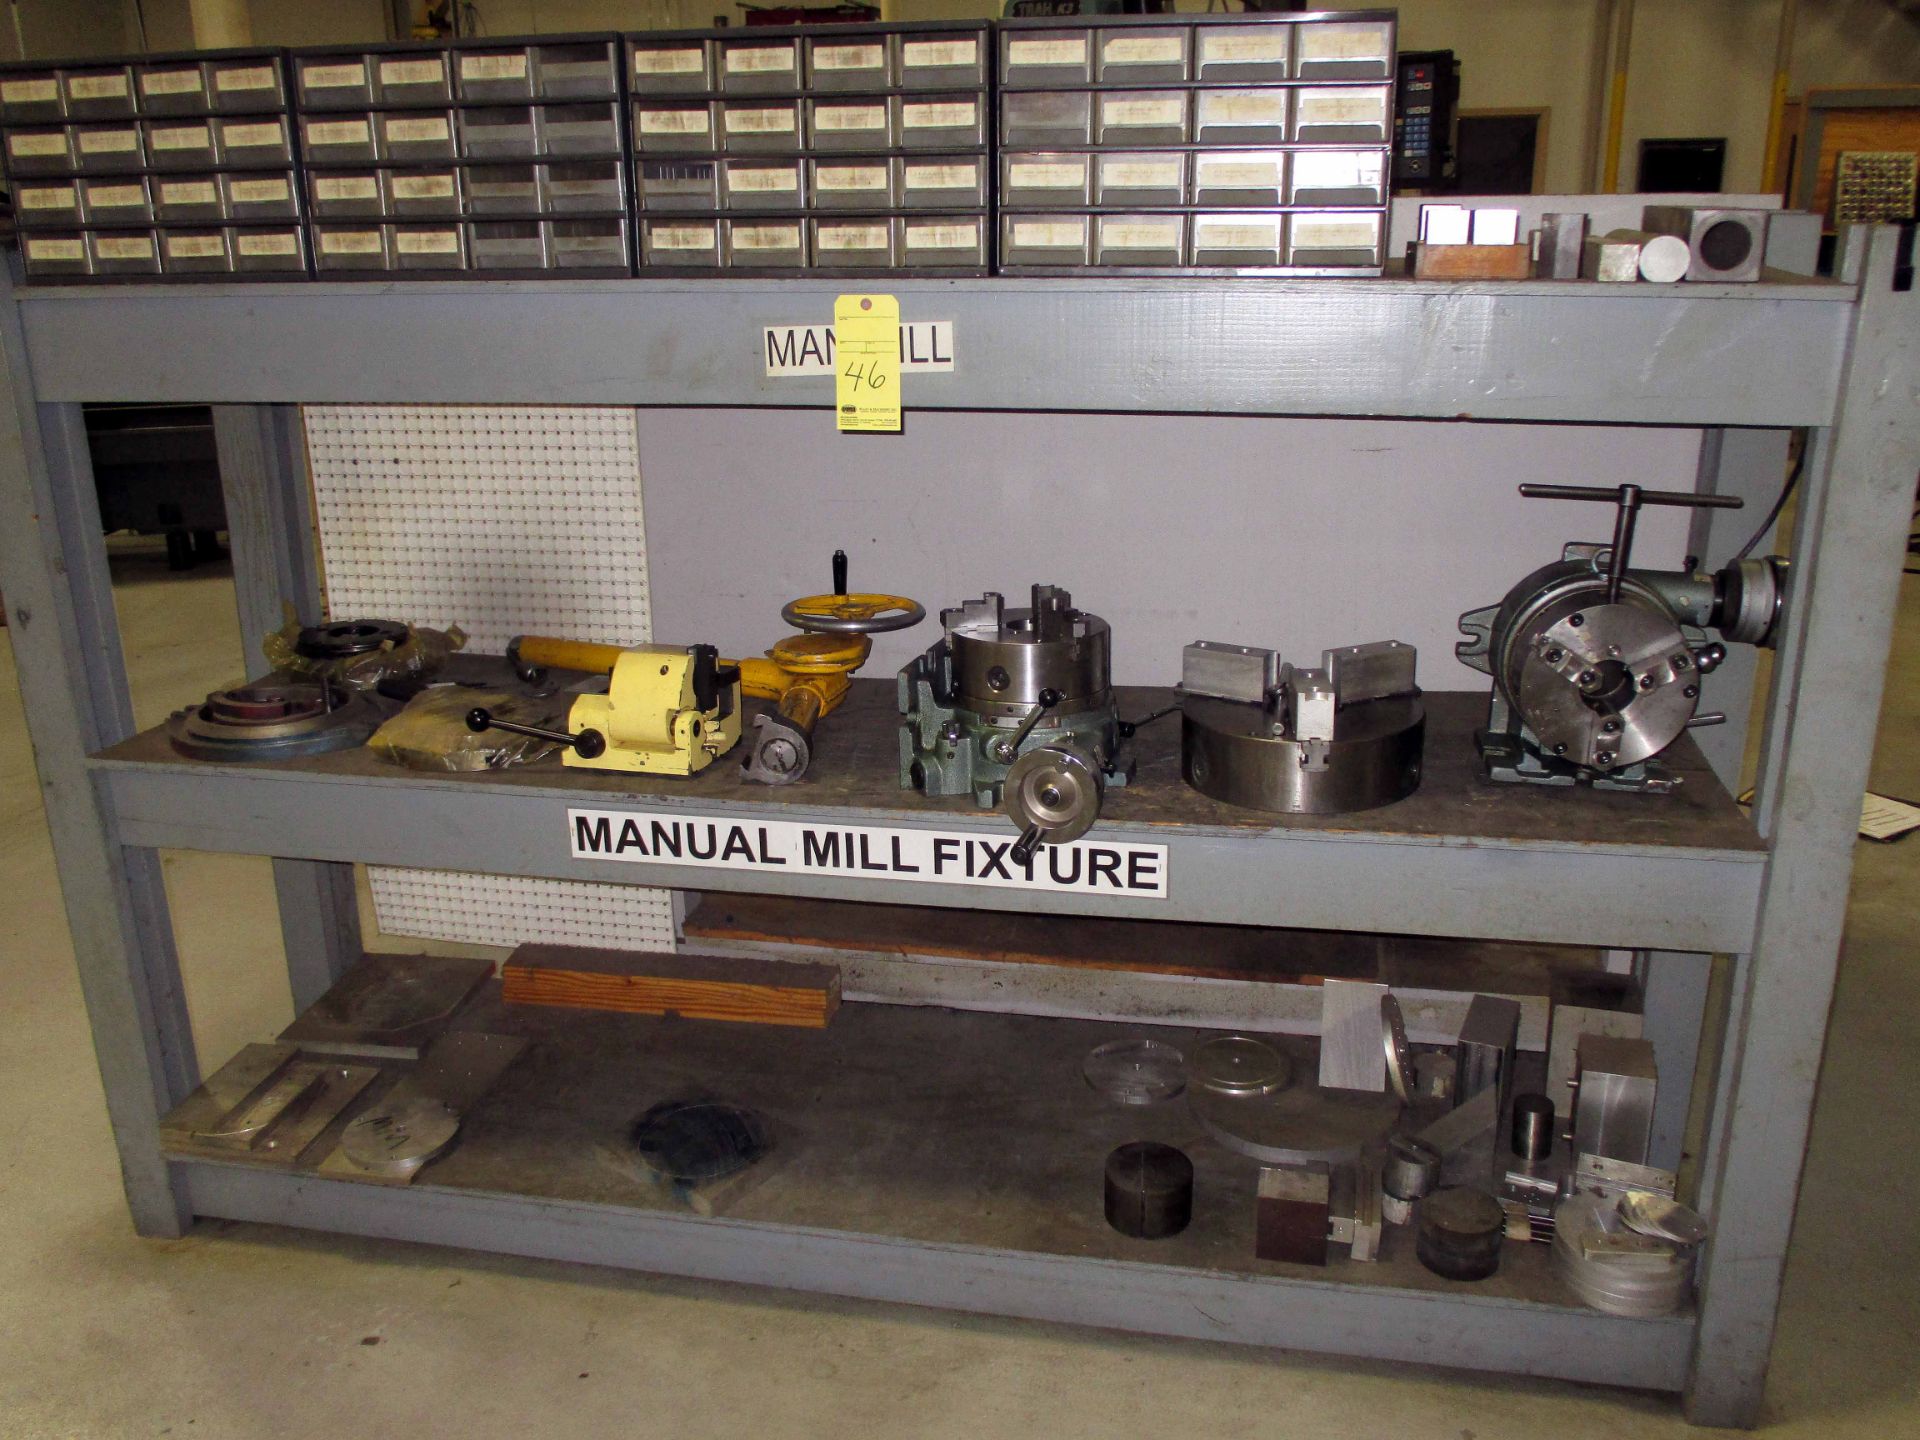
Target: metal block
1615	1081
1293	1214
1229	672
1562	245
1484	1050
1352	1055
1610	260
1311	705
1726	245
1372	671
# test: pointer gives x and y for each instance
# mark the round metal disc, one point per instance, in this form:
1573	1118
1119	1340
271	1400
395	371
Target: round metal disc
1228	750
1297	1126
1240	1065
397	1138
1057	789
1393	1037
340	639
1662	1218
274	719
1135	1072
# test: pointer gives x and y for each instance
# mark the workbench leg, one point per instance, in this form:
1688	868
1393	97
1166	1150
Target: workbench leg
1822	711
1673	999
1751	464
263	472
73	686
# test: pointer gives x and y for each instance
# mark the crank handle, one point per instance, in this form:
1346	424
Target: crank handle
1028	844
588	744
1005	750
1707	717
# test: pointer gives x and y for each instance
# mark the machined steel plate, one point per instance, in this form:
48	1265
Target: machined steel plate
1298	1126
1135	1072
395	1138
1240	1065
1228	751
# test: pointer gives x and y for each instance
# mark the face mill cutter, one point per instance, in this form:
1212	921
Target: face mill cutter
1016	708
1597	666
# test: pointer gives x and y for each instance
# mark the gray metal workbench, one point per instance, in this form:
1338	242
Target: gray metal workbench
1677	884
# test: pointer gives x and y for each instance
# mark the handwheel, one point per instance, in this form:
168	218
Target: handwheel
853	614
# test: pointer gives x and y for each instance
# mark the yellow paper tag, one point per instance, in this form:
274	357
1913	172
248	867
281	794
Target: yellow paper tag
866	347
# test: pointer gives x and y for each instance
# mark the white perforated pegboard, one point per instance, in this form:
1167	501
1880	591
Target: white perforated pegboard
504	521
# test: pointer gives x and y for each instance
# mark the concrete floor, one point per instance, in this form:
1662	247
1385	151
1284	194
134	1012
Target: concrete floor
247	1331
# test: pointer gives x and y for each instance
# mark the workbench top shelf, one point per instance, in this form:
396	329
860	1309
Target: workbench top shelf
1760	355
1463	856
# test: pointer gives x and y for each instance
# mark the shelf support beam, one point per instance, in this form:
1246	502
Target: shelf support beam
1822	714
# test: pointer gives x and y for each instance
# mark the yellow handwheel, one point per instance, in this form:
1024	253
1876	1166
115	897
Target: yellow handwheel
853	614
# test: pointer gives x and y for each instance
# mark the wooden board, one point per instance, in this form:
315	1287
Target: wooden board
695	987
1472	262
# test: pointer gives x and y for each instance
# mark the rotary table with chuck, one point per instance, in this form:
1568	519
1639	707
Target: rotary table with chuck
1016	708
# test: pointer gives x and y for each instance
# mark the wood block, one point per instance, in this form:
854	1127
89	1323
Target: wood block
1473	262
698	987
1292	1214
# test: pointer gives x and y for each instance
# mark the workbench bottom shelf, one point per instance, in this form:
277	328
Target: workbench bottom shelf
924	1156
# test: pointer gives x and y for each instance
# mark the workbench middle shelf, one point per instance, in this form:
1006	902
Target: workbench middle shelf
1463	856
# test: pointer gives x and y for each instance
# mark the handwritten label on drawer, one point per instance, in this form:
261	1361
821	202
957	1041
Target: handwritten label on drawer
774	120
115	197
427	242
350	242
255	243
1266	109
850	177
421	187
1258	45
44	197
674	122
961	175
127	142
679	60
939	115
766	237
849	57
1070	51
29	92
1335	232
1343	42
1136	110
932	54
123	247
259	192
1213	173
1140	234
1063	174
340	132
333	77
1117	174
763	180
25	145
1237	233
195	247
759	59
346	187
97	87
416	132
950	236
1050	234
245	77
188	192
682	237
850	117
1343	107
40	247
854	237
1142	50
171	82
244	135
180	137
505	67
412	72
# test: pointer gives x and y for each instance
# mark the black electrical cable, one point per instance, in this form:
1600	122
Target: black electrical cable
1793	479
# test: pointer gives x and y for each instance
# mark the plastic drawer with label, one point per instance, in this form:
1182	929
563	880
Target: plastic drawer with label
418	137
942	122
1258	51
759	126
196	250
494	75
103	92
680	243
412	79
1140	177
124	252
1046	119
578	186
270	250
678	184
116	200
40	204
675	129
345	194
182	144
1240	177
1043	240
55	252
1336	239
763	185
576	70
943	182
1338	177
599	244
189	197
1142	54
261	196
670	67
579	129
954	60
858	62
427	247
1344	114
503	189
262	140
752	65
1245	116
508	245
854	243
338	139
172	87
1038	58
247	84
1344	50
943	241
774	244
113	149
39	152
334	82
1142	117
1139	239
1044	179
432	193
863	184
850	125
349	248
29	97
1245	239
